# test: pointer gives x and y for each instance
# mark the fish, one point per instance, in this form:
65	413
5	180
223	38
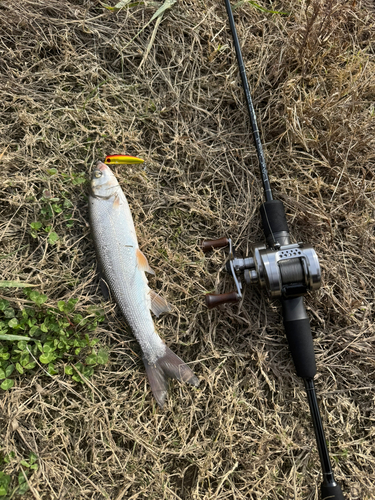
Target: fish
123	267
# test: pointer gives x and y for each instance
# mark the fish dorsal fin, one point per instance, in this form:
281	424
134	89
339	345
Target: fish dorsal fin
142	262
158	304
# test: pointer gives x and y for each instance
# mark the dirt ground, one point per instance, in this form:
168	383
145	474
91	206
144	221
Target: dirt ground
79	81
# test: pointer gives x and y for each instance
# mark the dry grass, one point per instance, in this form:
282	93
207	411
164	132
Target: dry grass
73	89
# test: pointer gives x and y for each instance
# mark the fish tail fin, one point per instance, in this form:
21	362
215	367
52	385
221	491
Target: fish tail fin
167	366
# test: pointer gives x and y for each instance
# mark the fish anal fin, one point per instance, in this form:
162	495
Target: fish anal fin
167	366
142	262
158	304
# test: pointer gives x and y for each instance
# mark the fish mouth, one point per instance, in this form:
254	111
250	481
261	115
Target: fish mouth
104	168
101	166
112	181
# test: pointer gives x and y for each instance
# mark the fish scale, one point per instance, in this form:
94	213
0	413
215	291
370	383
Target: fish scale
123	267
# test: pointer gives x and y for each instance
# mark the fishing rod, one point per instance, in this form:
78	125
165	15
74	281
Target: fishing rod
287	271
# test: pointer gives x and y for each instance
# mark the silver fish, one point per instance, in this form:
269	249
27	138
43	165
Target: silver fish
123	266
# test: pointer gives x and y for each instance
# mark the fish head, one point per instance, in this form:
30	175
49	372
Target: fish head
103	182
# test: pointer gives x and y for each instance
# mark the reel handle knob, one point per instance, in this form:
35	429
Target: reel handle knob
209	245
216	299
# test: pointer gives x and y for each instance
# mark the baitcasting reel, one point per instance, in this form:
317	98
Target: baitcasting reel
284	269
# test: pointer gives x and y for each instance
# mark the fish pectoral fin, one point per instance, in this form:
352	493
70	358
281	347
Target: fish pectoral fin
142	262
158	304
117	201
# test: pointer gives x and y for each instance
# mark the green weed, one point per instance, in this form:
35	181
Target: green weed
52	207
75	178
17	484
38	334
37	227
259	7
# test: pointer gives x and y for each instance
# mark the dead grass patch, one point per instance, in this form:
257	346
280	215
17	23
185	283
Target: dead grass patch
72	90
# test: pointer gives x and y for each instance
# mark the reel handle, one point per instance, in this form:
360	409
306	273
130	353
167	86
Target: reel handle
209	245
216	299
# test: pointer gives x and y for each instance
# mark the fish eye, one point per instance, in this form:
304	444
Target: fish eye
97	174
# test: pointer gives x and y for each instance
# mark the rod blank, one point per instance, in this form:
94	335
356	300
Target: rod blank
250	107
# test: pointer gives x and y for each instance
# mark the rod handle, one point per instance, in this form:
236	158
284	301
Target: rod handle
331	491
216	299
298	334
275	226
209	245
